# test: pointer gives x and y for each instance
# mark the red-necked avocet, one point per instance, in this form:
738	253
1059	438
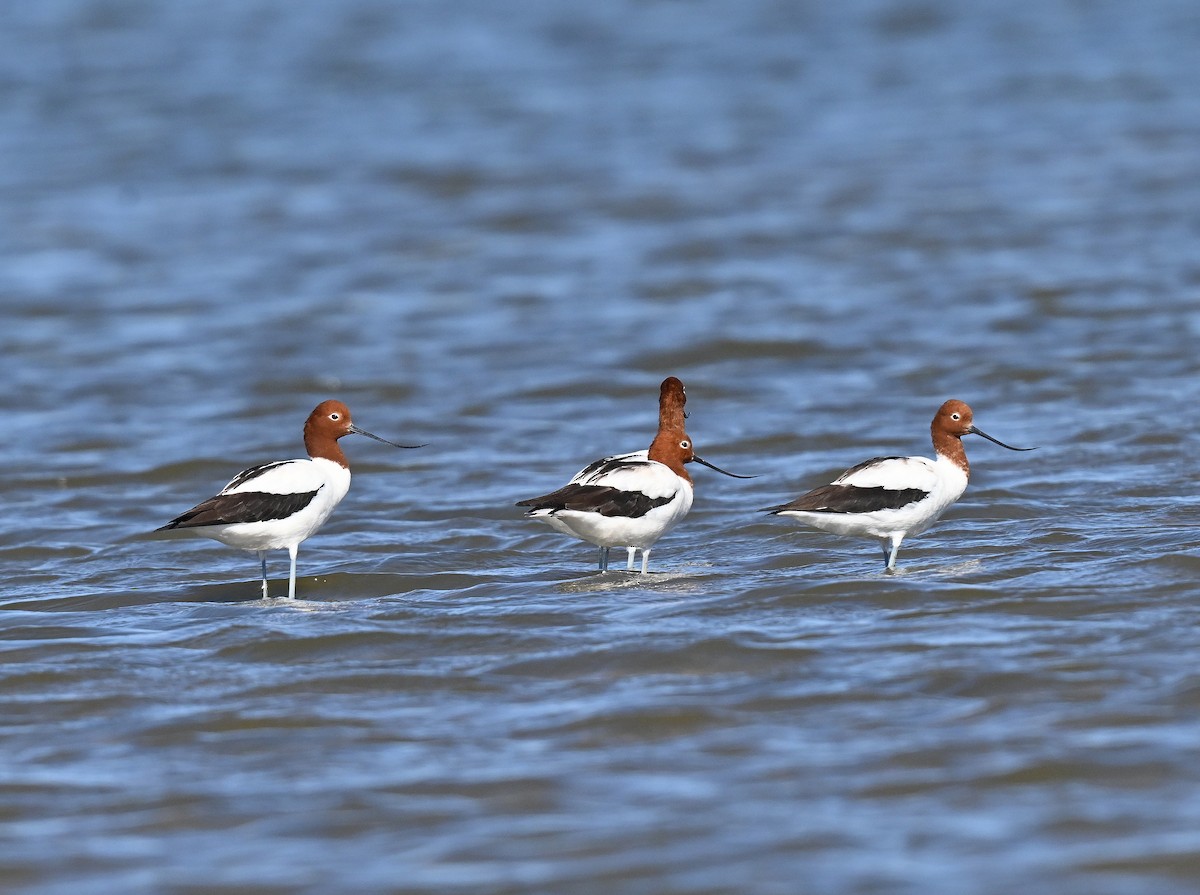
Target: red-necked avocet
278	505
630	500
890	498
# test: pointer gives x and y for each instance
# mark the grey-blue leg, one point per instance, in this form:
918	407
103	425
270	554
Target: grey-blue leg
262	558
891	549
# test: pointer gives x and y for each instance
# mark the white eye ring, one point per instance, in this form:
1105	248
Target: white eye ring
955	416
335	416
685	444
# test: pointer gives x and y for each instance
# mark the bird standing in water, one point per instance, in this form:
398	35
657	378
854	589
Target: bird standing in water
630	500
889	498
278	505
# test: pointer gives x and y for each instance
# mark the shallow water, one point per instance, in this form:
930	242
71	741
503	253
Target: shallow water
495	229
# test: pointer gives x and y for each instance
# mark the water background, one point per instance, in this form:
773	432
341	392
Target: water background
495	227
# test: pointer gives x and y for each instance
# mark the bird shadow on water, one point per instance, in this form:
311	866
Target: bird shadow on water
313	593
83	602
621	580
949	570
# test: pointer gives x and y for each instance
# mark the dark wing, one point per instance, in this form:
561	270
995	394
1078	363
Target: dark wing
599	469
596	499
241	506
254	472
850	499
873	467
883	483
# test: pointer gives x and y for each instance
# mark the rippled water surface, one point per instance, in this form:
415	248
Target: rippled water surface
494	227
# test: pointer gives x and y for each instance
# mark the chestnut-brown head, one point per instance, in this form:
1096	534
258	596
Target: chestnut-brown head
329	421
954	419
672	447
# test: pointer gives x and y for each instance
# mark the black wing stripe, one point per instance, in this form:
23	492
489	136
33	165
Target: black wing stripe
851	499
253	472
609	464
859	467
247	506
597	499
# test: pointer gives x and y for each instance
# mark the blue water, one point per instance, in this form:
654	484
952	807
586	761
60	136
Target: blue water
495	227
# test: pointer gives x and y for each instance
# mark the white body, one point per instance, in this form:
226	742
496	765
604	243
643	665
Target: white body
943	479
653	479
888	498
330	480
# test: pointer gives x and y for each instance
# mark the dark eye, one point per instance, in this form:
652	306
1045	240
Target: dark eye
956	416
335	416
685	444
